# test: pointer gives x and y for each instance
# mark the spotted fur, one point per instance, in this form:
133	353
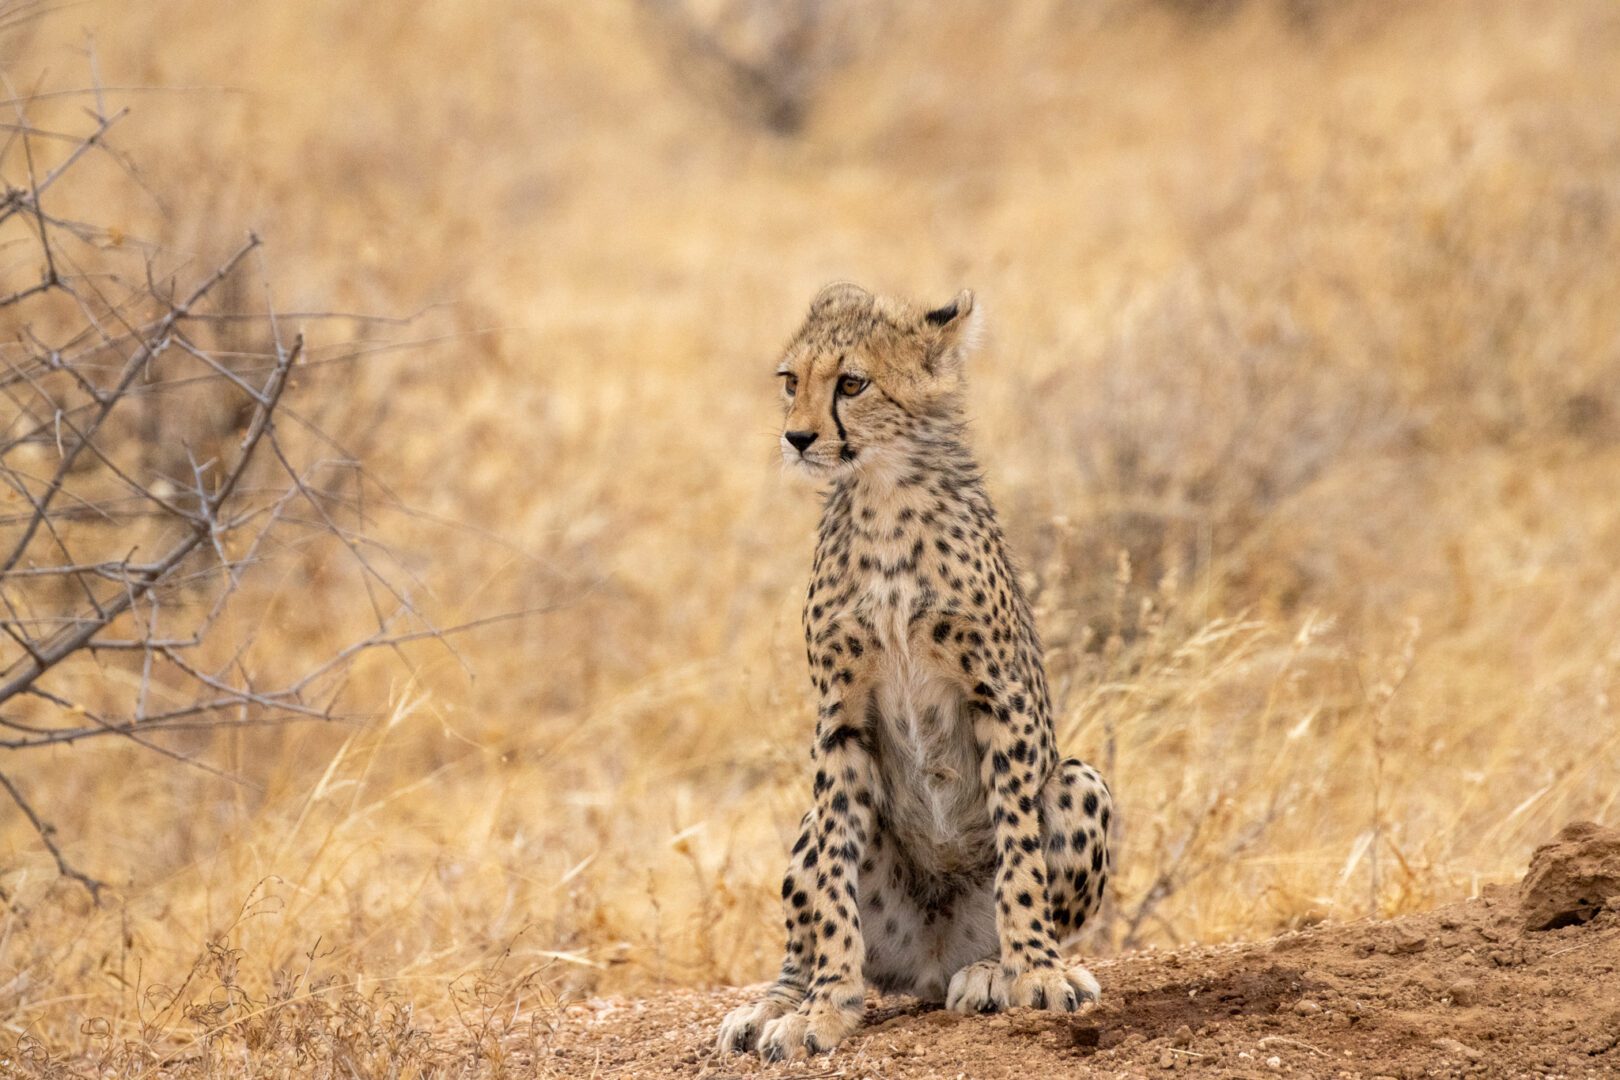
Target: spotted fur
949	852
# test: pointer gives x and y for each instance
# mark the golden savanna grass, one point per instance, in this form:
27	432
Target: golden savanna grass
1301	405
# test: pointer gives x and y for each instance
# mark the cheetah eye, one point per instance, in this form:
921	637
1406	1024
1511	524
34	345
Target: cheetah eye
850	385
790	382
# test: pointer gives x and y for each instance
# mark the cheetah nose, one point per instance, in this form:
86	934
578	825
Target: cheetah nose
801	440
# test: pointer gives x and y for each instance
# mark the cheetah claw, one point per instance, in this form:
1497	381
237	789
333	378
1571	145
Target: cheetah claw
740	1030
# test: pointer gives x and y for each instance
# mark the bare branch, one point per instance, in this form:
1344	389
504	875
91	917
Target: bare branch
155	345
66	868
150	482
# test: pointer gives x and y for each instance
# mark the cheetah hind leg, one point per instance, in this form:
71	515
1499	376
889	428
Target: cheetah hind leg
1076	812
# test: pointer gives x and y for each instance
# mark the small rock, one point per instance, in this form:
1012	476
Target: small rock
1182	1038
1452	1046
1167	1060
1306	1007
1463	992
1509	957
1407	941
1571	878
1274	1063
1321	981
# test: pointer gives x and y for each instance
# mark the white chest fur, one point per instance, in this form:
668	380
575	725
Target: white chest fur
927	758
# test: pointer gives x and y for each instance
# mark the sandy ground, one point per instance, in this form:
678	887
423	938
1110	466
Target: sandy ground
1523	981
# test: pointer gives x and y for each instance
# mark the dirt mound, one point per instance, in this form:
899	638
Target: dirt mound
1464	990
1572	879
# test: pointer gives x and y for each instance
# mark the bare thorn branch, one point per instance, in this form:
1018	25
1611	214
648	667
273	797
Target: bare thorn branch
44	830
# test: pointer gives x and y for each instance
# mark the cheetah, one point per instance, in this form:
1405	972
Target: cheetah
948	852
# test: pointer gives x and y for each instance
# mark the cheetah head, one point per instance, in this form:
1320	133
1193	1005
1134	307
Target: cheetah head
868	377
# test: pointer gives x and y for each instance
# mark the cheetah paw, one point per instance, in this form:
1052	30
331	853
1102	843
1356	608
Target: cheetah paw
739	1031
816	1028
985	987
1056	988
978	988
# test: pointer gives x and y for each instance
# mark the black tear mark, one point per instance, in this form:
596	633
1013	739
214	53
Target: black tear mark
845	452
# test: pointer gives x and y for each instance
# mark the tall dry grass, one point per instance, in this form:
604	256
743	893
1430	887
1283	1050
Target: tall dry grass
1302	406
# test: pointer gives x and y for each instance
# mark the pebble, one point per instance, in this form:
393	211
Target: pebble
1463	992
1274	1063
1182	1038
1306	1007
1452	1046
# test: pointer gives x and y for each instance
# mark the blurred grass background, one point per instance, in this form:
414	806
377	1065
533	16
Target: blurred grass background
1301	405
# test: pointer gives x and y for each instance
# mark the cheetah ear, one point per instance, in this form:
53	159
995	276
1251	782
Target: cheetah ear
845	291
956	328
960	307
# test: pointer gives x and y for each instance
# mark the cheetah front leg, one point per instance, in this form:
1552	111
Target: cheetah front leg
841	829
1029	971
1075	811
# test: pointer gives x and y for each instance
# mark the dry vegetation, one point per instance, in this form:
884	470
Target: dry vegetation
1302	405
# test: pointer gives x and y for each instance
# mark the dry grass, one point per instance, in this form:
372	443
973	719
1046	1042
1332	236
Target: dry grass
1302	406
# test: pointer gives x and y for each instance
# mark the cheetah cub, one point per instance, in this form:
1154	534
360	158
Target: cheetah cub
949	852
